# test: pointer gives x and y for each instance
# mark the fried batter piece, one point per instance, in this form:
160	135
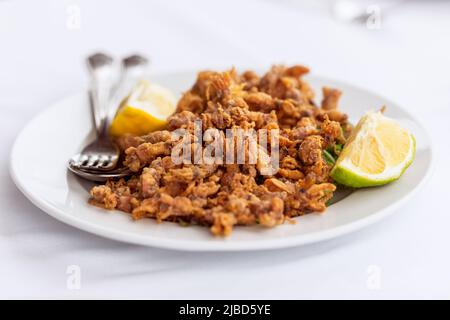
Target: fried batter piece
224	195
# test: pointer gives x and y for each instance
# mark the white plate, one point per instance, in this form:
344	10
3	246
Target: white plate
40	153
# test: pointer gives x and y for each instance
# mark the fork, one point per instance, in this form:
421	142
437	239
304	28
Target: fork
101	154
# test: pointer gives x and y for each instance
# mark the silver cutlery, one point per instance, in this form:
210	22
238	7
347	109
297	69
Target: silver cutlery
100	176
133	68
98	161
101	154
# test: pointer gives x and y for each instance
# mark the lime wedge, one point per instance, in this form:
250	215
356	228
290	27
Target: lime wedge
378	152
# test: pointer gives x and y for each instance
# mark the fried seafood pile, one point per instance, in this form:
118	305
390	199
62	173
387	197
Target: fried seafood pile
221	196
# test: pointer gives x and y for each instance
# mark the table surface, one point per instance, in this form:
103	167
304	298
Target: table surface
407	59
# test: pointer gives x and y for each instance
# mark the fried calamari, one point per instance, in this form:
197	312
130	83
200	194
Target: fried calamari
221	196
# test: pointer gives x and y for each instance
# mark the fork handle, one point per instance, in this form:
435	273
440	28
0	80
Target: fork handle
97	118
133	68
101	69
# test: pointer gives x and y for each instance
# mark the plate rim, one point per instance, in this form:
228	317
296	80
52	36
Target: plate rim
222	246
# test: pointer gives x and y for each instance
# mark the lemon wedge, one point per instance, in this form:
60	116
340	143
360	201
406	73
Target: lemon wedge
378	152
145	110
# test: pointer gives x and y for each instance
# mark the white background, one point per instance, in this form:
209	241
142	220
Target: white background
407	60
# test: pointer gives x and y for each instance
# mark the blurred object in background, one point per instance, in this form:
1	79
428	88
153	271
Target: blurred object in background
366	12
363	11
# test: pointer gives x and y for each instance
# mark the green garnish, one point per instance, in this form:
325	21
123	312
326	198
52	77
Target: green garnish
328	158
338	148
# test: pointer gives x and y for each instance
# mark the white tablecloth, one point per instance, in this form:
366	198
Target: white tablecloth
42	44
